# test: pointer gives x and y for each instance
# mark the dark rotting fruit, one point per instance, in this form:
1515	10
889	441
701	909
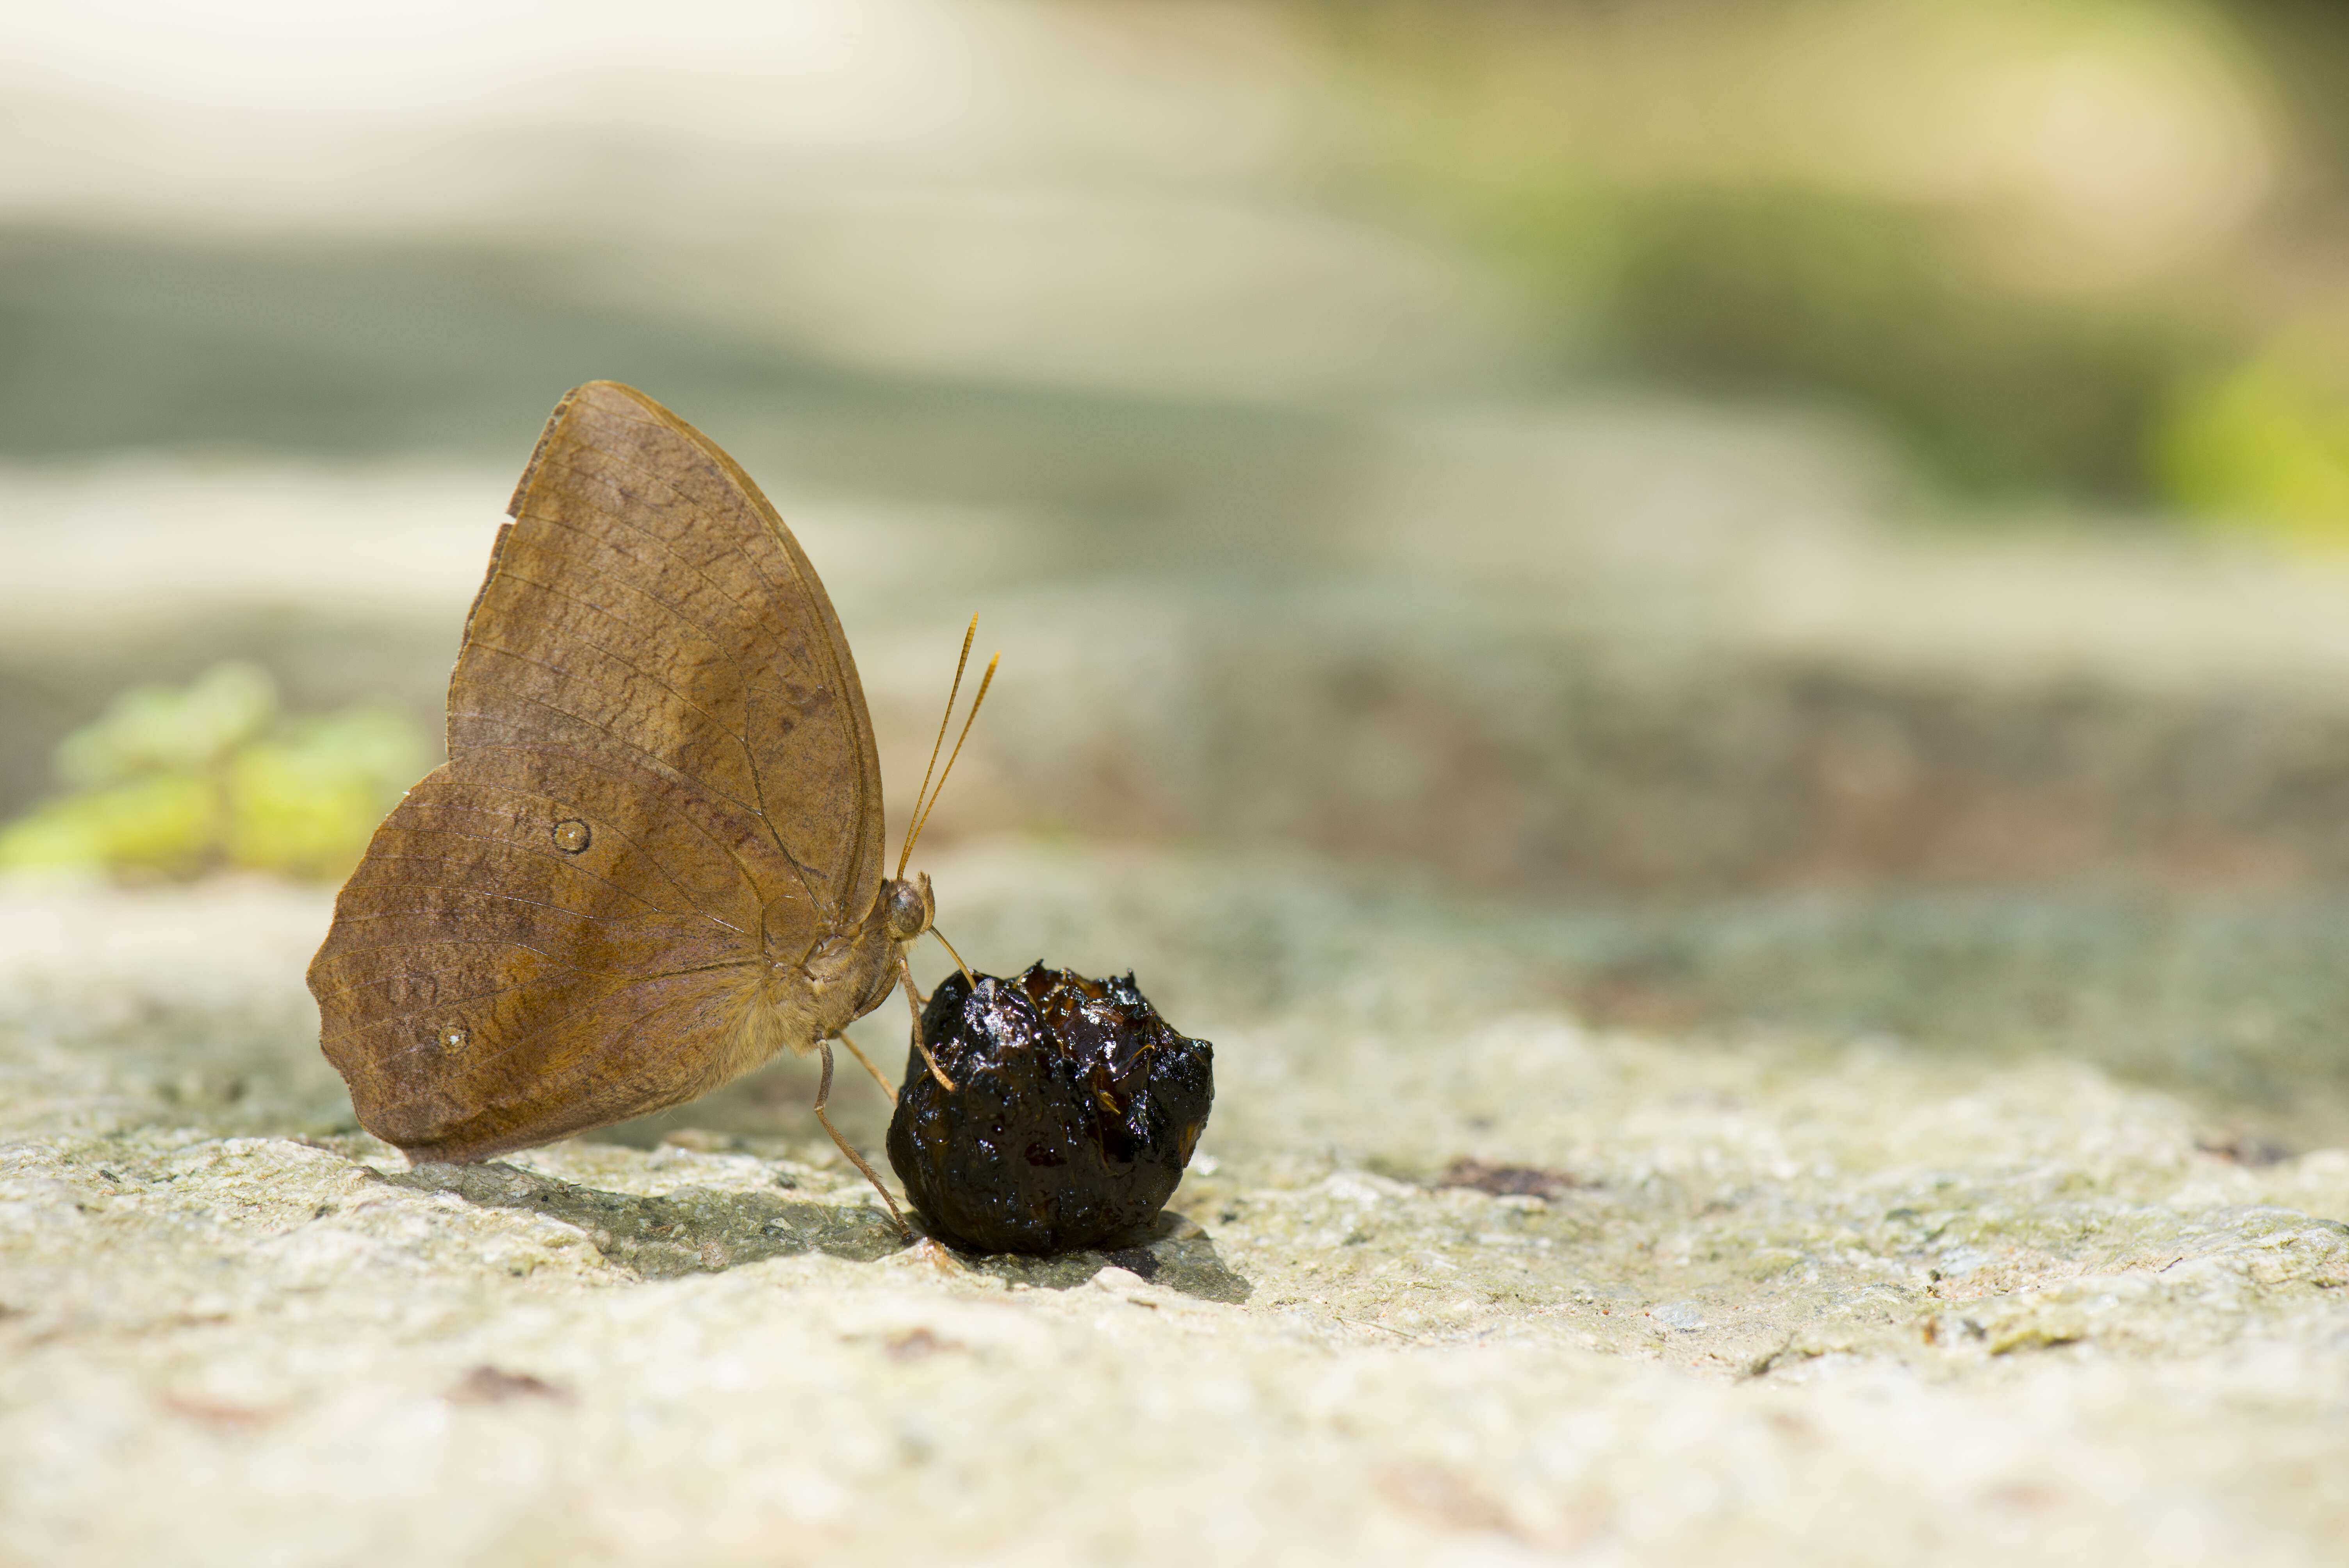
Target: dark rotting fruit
1075	1109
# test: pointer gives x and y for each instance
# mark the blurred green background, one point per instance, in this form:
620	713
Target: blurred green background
1845	495
2088	247
2085	249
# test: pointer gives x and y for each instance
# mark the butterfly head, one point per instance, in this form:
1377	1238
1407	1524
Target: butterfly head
908	906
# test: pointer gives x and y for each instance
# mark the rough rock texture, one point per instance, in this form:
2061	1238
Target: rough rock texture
1454	1280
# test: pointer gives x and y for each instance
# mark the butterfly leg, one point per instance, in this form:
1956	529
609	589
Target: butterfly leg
822	1095
914	1001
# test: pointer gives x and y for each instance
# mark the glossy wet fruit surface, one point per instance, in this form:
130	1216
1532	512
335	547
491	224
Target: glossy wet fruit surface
1074	1111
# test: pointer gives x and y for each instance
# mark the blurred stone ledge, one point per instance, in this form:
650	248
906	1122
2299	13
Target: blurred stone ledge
1385	723
1598	649
1613	648
1392	724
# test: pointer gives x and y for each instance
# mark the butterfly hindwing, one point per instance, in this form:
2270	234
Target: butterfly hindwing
541	941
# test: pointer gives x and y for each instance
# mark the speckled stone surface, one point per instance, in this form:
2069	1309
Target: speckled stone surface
1455	1279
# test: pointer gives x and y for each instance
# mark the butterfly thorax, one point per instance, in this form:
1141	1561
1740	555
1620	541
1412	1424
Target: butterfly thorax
819	977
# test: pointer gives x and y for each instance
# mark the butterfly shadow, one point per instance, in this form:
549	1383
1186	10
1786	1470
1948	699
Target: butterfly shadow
692	1230
1169	1251
703	1230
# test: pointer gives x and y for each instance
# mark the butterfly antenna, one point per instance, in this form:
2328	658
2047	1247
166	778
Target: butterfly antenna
984	682
943	719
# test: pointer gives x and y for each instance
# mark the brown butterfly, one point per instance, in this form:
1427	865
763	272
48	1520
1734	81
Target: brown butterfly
653	861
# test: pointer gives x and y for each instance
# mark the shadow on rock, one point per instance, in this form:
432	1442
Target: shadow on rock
1172	1252
694	1229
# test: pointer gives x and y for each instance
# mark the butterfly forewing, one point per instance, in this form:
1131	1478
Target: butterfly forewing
647	599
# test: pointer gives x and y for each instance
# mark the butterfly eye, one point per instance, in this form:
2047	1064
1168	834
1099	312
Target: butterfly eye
456	1037
571	835
908	914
